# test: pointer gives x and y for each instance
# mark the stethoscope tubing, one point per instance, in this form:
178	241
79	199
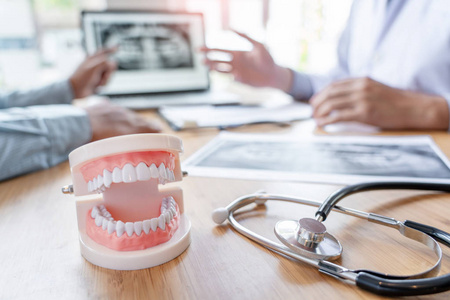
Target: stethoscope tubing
325	208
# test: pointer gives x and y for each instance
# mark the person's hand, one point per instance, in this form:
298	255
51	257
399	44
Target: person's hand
367	101
93	72
255	67
108	120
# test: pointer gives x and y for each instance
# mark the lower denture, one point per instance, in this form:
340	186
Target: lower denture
134	242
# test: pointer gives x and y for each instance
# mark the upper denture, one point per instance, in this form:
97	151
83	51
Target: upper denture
91	169
129	174
128	167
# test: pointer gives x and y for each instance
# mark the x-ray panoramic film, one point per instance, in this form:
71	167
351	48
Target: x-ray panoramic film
146	46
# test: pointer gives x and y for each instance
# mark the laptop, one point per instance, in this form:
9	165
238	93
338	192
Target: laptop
158	62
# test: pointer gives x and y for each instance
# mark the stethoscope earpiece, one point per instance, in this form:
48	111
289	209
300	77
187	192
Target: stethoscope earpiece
220	215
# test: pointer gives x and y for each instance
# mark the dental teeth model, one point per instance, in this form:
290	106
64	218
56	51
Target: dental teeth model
135	224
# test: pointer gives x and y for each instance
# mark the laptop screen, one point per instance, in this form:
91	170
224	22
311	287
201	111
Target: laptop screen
157	52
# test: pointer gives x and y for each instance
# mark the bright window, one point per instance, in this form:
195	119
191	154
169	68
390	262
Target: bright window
301	34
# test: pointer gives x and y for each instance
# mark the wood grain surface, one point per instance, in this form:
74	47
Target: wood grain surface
40	256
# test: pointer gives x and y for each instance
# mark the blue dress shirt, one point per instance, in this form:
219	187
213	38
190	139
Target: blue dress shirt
404	44
39	128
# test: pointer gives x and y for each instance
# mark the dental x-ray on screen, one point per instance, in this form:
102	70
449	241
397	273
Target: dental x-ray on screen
156	51
146	45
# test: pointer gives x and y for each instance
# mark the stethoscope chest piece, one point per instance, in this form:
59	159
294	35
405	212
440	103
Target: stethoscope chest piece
308	237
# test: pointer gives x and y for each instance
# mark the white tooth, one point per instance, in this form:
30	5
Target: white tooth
170	214
170	175
146	225
129	173
154	223
94	183
154	171
162	173
107	178
99	220
90	186
107	214
138	228
94	212
111	226
105	224
167	216
129	228
174	211
162	222
167	173
143	172
117	175
100	180
120	228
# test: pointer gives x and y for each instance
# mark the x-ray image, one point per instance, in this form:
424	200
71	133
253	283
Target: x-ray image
146	46
322	159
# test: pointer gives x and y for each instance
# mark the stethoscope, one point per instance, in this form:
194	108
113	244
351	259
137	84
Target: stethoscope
308	241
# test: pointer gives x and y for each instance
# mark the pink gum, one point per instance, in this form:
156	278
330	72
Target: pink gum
96	167
134	242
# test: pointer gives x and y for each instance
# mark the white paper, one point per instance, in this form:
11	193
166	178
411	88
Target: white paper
327	159
187	117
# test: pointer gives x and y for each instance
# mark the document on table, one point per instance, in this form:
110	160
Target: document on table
188	117
327	159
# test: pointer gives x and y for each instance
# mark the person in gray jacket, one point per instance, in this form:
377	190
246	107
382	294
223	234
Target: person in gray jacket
38	128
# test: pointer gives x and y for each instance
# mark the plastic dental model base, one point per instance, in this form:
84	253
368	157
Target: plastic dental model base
136	224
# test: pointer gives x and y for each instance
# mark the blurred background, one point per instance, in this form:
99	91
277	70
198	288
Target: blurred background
40	40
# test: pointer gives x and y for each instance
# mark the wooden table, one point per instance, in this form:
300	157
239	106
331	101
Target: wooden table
40	257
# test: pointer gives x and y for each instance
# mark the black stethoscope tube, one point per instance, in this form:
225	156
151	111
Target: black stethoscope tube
324	210
379	284
401	287
437	234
